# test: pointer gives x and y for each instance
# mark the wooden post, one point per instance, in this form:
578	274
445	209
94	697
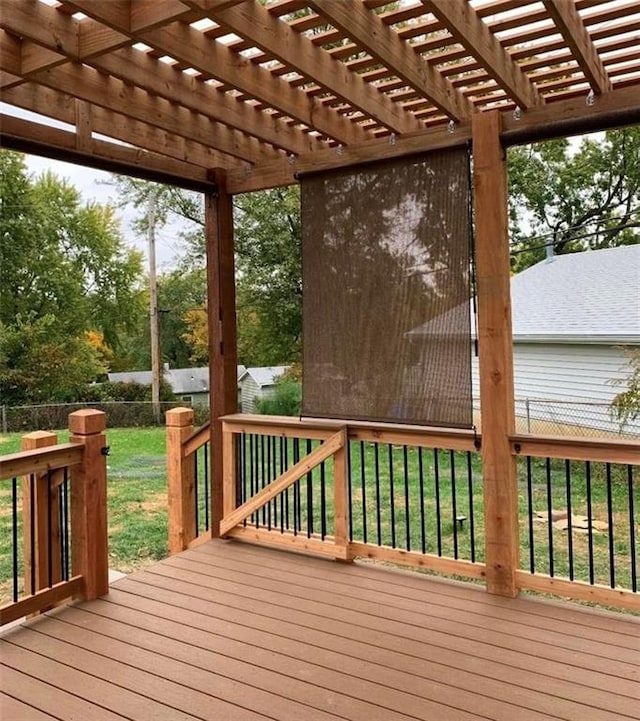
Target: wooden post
223	356
90	554
495	354
229	472
180	480
340	495
44	543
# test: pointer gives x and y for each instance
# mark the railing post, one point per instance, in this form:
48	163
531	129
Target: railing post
340	495
180	480
41	521
89	546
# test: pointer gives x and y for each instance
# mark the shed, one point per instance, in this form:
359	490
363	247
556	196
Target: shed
257	383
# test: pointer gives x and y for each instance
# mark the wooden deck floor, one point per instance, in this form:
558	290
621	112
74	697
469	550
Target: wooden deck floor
233	632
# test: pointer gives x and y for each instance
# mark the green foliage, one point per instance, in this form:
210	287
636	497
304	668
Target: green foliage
625	407
588	199
64	271
286	400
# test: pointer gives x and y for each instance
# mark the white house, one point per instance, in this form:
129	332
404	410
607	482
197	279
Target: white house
571	316
257	383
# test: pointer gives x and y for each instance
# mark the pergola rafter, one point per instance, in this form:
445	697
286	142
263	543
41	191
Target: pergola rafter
262	91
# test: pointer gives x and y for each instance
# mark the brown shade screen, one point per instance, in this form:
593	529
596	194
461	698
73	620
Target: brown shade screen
386	315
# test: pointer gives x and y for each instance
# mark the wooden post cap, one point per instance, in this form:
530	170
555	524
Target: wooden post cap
87	422
177	417
40	438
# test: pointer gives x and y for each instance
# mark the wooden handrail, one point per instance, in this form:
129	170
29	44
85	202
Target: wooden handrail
576	448
40	460
196	440
321	429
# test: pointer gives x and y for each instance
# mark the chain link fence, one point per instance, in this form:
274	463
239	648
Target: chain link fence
120	414
547	417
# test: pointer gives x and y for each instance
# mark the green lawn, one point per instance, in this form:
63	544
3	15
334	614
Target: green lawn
385	504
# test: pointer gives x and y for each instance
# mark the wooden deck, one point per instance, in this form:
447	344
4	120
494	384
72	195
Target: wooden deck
232	632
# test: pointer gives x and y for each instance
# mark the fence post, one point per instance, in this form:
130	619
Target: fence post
41	521
340	495
180	480
229	472
90	553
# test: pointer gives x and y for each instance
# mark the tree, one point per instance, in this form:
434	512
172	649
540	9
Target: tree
574	199
625	407
64	272
268	273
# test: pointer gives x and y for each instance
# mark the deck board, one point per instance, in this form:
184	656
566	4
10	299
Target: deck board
230	631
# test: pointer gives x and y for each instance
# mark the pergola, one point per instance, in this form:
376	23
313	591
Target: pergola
230	96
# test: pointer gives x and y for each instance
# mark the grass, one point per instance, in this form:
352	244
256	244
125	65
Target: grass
386	505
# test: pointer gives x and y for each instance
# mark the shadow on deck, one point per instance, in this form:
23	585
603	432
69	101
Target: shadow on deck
231	632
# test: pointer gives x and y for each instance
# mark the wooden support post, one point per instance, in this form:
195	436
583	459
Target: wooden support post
40	521
223	356
340	495
496	354
90	554
180	480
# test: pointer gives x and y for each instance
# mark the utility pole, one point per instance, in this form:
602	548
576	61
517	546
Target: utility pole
153	312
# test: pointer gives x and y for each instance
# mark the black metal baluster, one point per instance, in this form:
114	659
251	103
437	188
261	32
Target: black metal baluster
49	529
549	515
286	493
32	529
376	457
323	501
423	539
267	475
14	539
65	525
349	490
255	517
363	485
263	479
195	491
392	493
612	562
207	524
532	551
454	505
589	521
436	478
632	531
296	490
472	525
310	493
407	520
274	475
567	474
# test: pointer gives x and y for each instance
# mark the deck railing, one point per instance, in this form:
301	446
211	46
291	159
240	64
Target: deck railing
416	496
579	524
57	511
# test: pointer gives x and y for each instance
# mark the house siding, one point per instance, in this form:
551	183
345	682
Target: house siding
566	384
249	390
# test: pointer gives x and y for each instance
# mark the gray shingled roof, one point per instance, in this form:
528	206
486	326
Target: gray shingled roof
580	297
181	380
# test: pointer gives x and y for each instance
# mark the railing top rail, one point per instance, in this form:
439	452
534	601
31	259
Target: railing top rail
40	460
396	433
577	448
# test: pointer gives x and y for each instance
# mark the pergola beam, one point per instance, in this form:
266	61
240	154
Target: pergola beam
384	44
470	31
255	23
60	106
29	137
146	72
217	61
574	32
